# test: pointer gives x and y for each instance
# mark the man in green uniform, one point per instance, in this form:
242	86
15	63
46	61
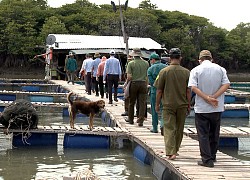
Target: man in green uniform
137	74
71	67
153	72
172	89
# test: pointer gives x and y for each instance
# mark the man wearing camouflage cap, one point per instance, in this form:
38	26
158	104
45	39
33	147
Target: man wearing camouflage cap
209	81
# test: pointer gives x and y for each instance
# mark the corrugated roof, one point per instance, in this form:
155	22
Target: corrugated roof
66	41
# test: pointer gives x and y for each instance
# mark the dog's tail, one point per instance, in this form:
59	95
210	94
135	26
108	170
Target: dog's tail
68	98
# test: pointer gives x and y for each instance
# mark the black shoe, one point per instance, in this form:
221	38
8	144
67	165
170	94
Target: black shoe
102	97
140	124
110	102
162	132
128	121
97	95
116	100
125	113
210	163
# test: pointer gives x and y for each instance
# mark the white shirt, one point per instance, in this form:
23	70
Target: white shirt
208	77
87	65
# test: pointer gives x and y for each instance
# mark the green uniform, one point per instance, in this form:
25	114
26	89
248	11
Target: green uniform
153	72
173	81
138	88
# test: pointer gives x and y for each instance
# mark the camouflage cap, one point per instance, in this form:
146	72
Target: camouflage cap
205	53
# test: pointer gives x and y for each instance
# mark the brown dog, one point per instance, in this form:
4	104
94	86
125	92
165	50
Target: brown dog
88	108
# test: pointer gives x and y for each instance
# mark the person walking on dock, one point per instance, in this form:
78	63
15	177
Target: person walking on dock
172	89
99	77
137	74
96	62
153	71
71	67
87	66
113	74
209	81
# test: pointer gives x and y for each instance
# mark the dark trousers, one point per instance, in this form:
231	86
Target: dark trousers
112	81
95	84
208	129
102	85
137	91
87	78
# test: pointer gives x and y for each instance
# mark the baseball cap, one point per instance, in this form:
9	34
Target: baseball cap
175	51
154	56
112	52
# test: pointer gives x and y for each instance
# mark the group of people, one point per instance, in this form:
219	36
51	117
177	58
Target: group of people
99	74
170	94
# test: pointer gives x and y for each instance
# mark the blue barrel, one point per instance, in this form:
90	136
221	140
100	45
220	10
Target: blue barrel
65	113
2	108
7	97
229	142
41	98
229	99
142	155
86	141
235	113
30	88
36	139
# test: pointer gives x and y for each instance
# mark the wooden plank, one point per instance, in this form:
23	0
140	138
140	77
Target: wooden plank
234	130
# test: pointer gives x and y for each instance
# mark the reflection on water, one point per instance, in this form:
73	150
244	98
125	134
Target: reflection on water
56	162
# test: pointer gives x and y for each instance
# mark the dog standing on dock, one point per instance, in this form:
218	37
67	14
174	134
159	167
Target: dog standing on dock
84	107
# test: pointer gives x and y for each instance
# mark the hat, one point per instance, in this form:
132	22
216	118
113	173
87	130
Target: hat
175	51
112	52
204	53
136	52
97	54
154	56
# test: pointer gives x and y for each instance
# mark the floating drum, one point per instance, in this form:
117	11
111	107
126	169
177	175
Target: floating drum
229	99
41	98
30	88
86	141
142	155
7	97
66	113
235	113
34	139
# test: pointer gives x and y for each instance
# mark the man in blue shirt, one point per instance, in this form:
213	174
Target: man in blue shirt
153	72
113	73
96	62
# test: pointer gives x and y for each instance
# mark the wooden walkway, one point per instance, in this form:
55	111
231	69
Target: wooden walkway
185	165
79	129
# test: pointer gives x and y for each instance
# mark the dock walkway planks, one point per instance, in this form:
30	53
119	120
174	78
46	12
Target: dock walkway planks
185	165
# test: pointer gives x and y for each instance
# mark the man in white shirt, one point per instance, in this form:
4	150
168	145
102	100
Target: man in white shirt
209	81
87	67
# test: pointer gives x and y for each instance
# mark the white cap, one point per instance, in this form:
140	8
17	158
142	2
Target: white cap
112	52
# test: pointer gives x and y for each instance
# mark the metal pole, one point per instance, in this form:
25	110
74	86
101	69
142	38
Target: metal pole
125	37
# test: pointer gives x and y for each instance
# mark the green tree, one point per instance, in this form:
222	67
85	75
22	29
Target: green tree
52	25
146	4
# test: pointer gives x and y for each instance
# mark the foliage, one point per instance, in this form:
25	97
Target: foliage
25	24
